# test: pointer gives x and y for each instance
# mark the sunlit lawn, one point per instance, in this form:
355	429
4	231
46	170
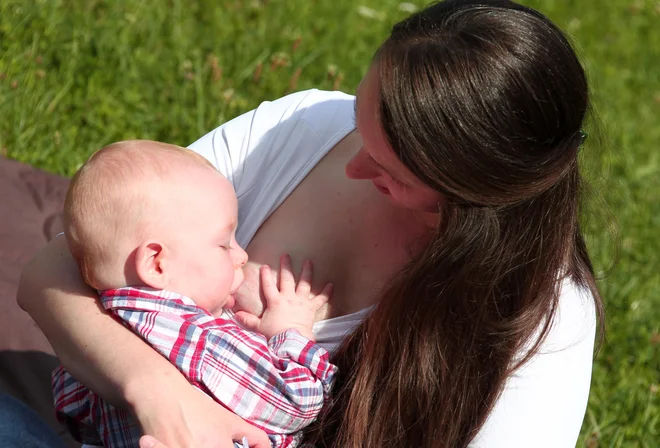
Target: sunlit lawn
75	75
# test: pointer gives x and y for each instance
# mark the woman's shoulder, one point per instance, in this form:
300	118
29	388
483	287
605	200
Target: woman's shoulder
575	321
292	126
323	111
544	402
327	112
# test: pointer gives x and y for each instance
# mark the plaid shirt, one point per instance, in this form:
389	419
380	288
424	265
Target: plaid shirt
278	385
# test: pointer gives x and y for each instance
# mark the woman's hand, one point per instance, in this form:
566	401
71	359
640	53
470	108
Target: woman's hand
193	420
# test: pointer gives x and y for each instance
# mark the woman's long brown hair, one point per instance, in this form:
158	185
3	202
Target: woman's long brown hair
483	101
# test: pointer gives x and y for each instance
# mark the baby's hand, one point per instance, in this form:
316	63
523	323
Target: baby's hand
290	306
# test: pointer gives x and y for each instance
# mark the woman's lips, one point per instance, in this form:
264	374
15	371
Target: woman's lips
383	190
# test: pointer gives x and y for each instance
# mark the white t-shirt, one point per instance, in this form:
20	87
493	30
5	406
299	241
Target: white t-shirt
265	154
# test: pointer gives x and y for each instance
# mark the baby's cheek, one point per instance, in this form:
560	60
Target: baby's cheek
249	297
239	277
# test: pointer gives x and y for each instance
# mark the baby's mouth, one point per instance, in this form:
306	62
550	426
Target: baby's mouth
231	301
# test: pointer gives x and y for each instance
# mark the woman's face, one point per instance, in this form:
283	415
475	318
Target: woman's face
376	161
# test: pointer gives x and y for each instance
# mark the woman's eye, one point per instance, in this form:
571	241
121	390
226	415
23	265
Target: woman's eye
397	181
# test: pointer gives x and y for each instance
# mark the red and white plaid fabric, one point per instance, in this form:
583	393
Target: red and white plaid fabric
278	385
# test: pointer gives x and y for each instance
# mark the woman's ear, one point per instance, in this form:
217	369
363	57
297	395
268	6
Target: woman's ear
151	264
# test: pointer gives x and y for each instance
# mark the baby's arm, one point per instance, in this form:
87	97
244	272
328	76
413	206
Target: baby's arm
291	307
278	385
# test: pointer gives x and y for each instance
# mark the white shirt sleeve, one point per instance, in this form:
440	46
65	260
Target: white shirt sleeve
544	403
265	153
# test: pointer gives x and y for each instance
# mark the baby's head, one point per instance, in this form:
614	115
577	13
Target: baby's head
144	213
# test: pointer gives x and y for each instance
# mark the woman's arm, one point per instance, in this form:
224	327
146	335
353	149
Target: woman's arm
67	311
107	357
111	360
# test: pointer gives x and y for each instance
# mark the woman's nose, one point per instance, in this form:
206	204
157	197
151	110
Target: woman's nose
361	166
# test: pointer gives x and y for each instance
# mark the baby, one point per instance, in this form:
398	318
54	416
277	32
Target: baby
152	227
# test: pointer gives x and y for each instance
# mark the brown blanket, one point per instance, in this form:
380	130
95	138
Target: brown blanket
30	215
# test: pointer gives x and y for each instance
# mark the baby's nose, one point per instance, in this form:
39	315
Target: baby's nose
241	257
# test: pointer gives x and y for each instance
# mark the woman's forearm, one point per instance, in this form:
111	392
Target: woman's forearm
116	364
97	350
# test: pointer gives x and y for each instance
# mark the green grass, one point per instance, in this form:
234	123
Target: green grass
76	75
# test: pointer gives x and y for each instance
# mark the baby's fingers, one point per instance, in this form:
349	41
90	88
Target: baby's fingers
248	320
323	297
287	281
268	283
305	282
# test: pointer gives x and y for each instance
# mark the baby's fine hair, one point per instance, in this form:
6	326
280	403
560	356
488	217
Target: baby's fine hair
112	193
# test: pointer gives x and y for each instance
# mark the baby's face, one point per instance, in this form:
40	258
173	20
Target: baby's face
206	263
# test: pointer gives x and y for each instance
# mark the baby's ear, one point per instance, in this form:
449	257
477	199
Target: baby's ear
151	264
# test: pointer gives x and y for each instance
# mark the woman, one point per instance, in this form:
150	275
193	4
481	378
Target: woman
447	222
